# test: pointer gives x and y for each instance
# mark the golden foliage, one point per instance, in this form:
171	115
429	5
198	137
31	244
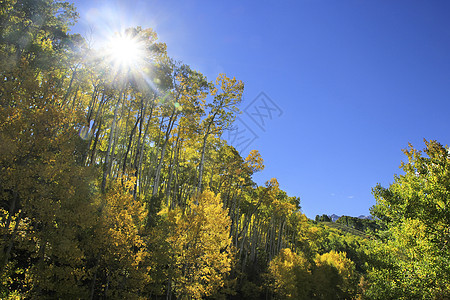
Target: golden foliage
201	247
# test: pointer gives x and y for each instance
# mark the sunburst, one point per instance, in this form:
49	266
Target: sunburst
125	52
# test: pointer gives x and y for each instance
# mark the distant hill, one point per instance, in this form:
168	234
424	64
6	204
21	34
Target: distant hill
360	223
335	217
345	229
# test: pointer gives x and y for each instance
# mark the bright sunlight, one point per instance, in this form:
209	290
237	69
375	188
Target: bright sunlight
125	51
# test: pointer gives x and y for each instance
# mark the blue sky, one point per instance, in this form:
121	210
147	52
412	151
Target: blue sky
355	81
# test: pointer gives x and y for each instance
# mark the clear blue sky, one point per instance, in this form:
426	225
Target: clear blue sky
355	80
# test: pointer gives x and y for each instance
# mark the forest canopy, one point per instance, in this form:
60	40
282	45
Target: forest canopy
115	183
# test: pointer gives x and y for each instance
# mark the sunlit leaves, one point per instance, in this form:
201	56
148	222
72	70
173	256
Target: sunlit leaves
199	247
291	273
295	276
415	210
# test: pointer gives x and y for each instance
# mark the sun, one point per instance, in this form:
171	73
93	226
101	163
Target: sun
125	52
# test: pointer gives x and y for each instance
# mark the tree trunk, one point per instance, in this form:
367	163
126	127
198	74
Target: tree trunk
130	139
107	165
141	156
174	163
98	121
69	88
93	285
200	168
94	147
202	158
172	119
280	237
